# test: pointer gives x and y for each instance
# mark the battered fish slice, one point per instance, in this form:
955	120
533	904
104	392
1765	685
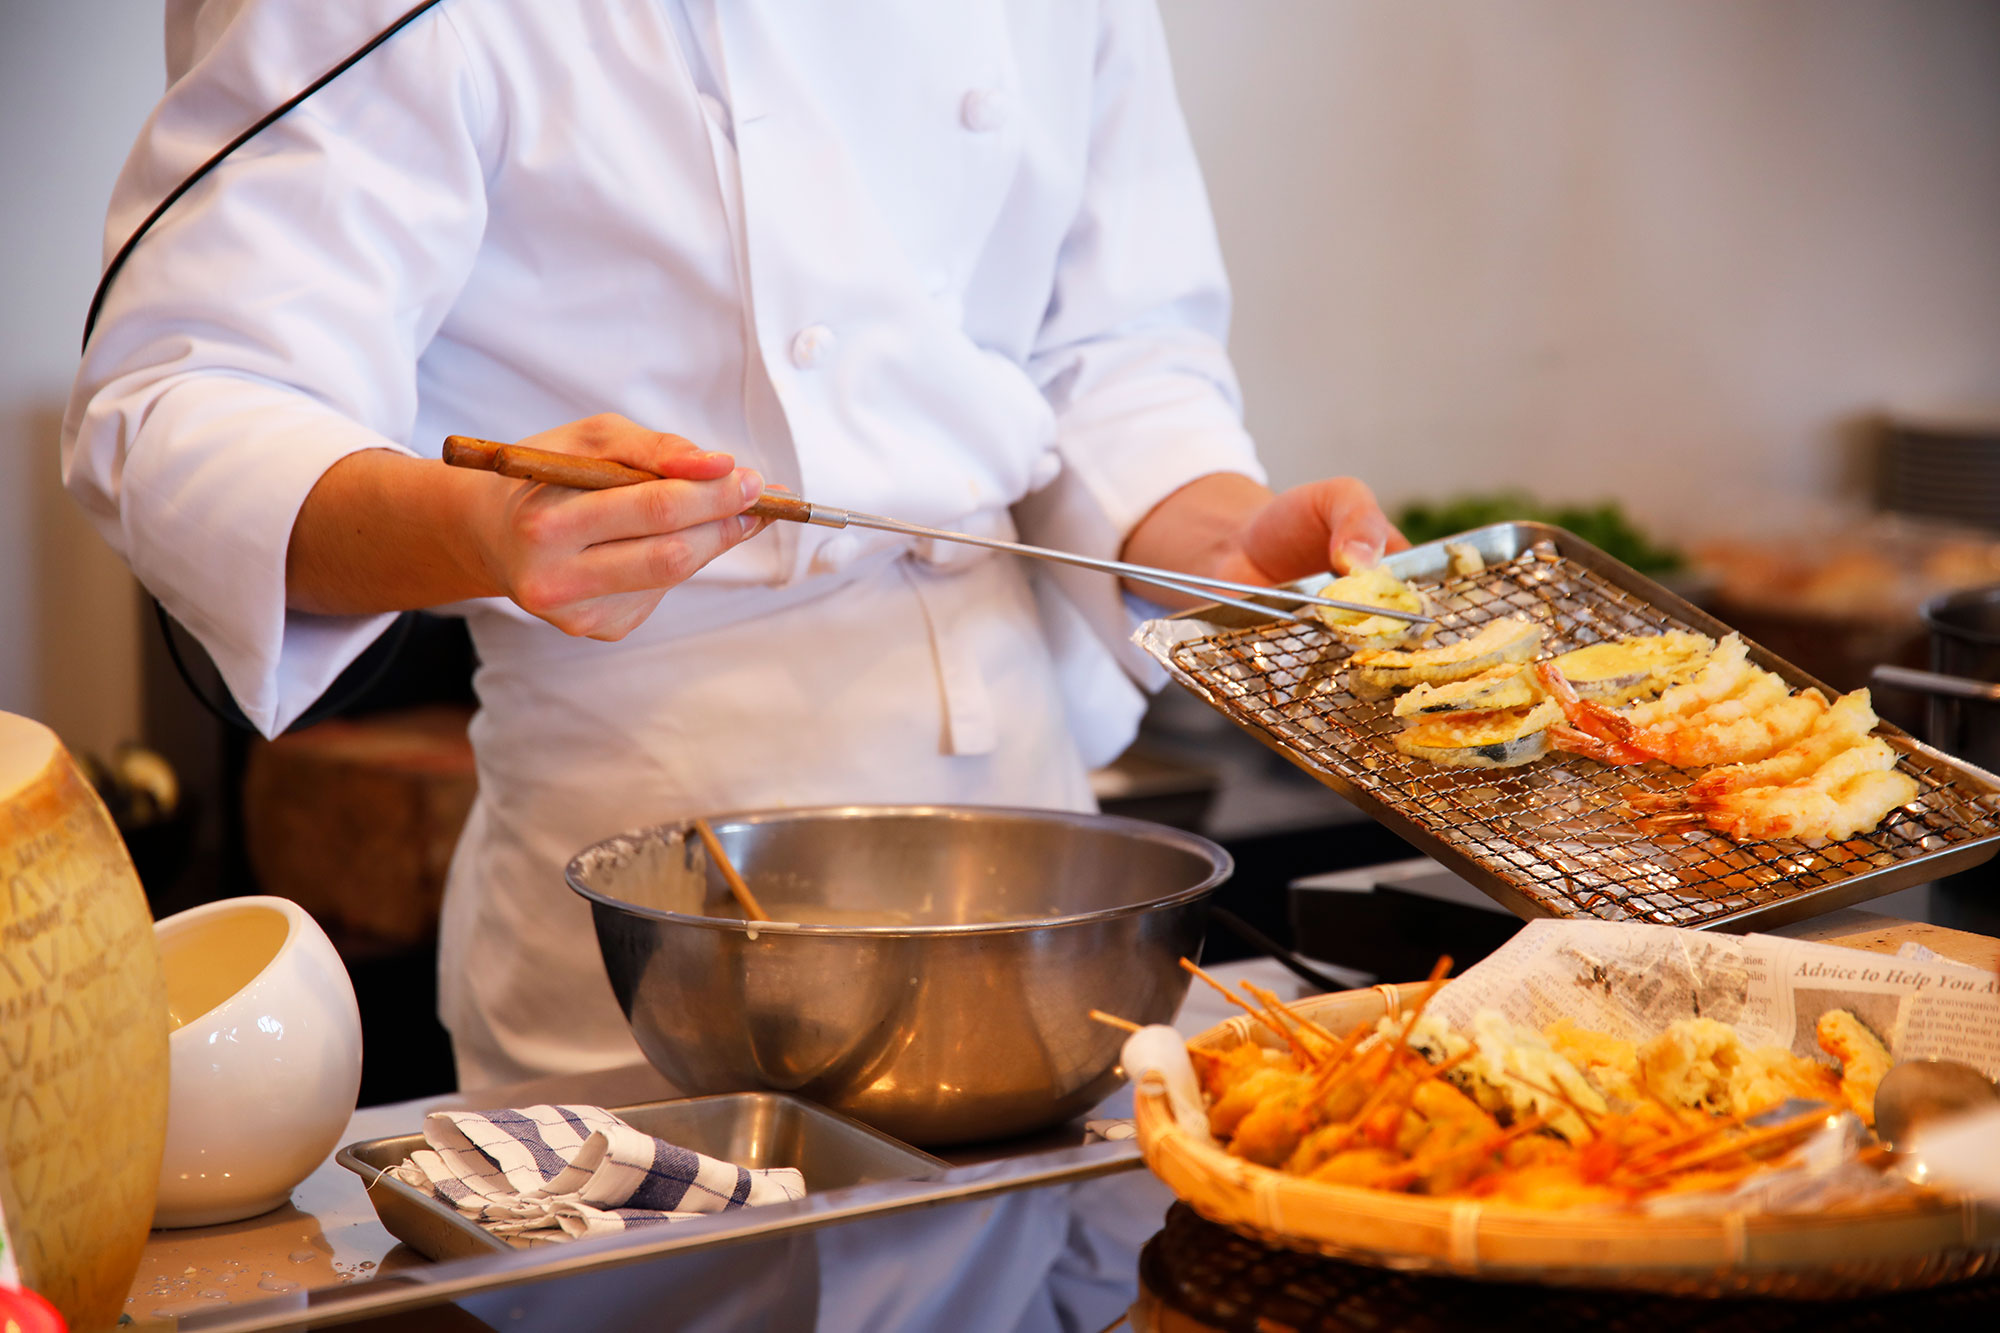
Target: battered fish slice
1507	738
1769	1076
1375	587
1624	669
1373	674
1506	686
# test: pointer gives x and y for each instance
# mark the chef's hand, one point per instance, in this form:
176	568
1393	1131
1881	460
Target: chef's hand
596	563
1227	526
382	531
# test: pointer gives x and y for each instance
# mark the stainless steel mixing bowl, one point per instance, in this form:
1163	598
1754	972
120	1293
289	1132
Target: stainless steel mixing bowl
938	974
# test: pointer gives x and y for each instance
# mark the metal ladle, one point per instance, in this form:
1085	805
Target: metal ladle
1920	1092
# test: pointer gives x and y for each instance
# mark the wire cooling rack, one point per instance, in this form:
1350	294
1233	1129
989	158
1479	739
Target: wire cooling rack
1556	837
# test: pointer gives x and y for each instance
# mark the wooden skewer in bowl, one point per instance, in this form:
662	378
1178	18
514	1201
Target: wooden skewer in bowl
744	898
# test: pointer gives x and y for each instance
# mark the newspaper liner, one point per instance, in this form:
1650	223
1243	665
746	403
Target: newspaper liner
1631	981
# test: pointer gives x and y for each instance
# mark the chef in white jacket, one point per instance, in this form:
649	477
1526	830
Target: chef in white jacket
947	262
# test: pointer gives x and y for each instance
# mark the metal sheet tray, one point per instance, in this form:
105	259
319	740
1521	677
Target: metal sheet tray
754	1129
1554	838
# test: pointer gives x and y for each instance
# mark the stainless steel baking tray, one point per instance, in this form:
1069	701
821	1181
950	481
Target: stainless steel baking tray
754	1129
1554	838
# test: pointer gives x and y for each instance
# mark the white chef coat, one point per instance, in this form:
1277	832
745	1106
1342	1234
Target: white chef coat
947	262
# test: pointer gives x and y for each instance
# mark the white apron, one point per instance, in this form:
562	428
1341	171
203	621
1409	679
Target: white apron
904	683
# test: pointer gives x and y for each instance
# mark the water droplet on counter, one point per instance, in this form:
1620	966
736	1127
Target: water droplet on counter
213	1294
364	1265
174	1309
272	1282
303	1256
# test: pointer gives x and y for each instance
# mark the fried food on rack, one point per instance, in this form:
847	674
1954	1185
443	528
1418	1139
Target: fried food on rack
1863	1059
1506	686
1757	718
1375	587
1846	723
1852	794
1377	673
1504	738
1724	673
1612	672
1621	670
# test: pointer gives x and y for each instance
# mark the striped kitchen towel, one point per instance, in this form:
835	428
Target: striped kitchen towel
524	1174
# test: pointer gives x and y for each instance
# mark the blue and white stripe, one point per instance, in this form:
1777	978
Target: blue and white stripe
565	1171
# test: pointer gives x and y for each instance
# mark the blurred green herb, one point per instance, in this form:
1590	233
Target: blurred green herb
1602	525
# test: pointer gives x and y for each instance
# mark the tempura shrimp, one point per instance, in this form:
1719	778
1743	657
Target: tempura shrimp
1724	674
1757	723
1840	727
1758	717
1806	812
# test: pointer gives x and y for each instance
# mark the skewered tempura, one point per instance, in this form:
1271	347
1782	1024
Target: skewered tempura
1553	1120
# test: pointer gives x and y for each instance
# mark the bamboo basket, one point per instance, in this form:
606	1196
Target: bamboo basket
1904	1245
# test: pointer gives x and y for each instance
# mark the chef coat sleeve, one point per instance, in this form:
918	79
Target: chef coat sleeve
1131	353
271	321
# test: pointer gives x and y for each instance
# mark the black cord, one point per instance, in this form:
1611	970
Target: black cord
341	693
125	250
362	675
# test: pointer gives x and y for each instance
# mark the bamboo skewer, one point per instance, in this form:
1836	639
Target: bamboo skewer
1290	1039
744	898
1113	1020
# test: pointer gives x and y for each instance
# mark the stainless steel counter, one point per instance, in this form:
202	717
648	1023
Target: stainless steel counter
324	1259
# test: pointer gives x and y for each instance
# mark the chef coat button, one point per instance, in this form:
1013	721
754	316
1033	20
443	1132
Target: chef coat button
984	110
812	345
1046	469
711	106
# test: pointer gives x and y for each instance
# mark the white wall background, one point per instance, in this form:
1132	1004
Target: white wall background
1664	250
1657	249
76	79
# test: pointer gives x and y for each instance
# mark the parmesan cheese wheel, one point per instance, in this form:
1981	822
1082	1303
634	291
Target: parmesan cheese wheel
83	1029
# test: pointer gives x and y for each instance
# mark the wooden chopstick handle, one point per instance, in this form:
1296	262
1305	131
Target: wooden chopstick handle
744	898
587	474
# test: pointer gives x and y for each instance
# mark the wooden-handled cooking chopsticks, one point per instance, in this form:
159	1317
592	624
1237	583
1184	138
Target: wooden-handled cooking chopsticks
596	474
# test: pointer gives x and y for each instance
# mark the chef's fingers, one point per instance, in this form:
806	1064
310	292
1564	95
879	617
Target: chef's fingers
641	564
1358	532
621	440
1329	524
558	521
